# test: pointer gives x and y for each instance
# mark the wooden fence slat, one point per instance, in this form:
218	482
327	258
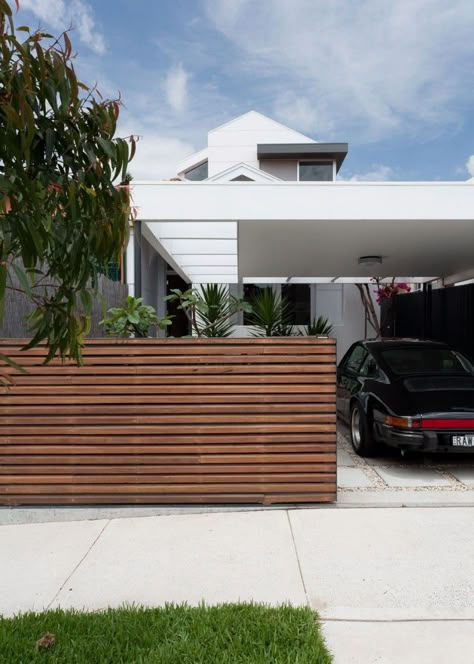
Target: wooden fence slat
156	488
49	467
140	399
76	409
228	380
184	390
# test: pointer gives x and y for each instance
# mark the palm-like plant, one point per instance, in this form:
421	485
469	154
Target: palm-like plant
209	309
319	327
271	315
214	311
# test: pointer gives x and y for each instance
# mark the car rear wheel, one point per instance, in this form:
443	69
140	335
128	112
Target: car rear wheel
361	439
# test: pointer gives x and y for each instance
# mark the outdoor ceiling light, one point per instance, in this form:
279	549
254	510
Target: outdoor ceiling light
369	261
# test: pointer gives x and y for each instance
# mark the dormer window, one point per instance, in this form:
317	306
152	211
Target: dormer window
197	172
316	171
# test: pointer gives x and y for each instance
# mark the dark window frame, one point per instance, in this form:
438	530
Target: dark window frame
315	162
197	169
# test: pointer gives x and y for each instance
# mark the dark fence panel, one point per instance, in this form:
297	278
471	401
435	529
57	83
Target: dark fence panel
443	314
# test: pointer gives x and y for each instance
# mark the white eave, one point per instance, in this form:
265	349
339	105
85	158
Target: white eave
195	159
230	231
255	174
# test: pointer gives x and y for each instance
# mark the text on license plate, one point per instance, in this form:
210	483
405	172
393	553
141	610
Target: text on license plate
463	441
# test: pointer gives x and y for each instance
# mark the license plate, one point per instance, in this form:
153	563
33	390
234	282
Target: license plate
463	441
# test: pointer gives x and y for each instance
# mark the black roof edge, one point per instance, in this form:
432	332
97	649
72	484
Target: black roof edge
332	151
403	341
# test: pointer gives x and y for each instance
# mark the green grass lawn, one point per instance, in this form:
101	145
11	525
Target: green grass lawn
226	634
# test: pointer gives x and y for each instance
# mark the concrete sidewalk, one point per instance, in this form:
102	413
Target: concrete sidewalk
391	585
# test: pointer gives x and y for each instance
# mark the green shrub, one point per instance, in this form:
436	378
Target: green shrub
132	319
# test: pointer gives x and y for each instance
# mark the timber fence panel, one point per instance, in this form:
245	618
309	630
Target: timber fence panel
171	421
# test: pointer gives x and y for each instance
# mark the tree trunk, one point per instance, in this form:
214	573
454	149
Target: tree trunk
369	308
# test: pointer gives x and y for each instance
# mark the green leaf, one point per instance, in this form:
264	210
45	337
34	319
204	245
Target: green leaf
22	278
5	8
134	318
86	300
108	147
11	363
49	143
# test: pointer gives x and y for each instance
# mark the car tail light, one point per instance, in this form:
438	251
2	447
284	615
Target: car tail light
447	423
403	422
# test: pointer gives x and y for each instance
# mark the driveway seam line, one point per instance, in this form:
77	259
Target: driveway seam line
80	562
297	558
395	620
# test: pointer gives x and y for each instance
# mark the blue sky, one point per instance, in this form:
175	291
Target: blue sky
395	80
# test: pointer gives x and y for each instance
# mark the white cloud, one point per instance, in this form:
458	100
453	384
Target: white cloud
157	153
470	165
368	68
377	173
176	88
295	111
60	14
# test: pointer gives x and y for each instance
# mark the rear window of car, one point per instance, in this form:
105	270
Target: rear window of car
409	361
355	359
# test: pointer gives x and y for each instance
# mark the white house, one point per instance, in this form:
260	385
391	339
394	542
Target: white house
262	204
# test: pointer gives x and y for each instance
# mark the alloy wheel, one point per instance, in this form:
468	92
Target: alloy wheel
356	434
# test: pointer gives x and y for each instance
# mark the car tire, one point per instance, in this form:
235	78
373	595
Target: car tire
361	438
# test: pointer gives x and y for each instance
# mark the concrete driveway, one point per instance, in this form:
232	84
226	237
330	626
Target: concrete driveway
391	585
390	479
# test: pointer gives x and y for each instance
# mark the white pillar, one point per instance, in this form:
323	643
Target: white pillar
130	264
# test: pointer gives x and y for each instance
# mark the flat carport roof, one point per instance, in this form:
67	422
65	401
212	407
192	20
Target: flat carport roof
232	231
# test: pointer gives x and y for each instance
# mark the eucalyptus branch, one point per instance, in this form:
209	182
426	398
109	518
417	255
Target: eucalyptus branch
60	208
38	300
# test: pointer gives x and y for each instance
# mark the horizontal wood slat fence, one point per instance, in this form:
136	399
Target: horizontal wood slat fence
171	421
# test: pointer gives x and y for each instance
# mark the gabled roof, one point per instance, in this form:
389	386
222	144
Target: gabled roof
192	160
248	171
264	120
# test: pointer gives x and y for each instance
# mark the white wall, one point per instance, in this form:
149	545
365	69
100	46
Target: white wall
352	326
285	169
236	141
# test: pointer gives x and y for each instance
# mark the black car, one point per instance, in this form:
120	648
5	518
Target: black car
408	394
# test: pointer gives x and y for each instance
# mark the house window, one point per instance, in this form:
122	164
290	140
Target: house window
242	178
198	172
250	291
298	297
315	171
